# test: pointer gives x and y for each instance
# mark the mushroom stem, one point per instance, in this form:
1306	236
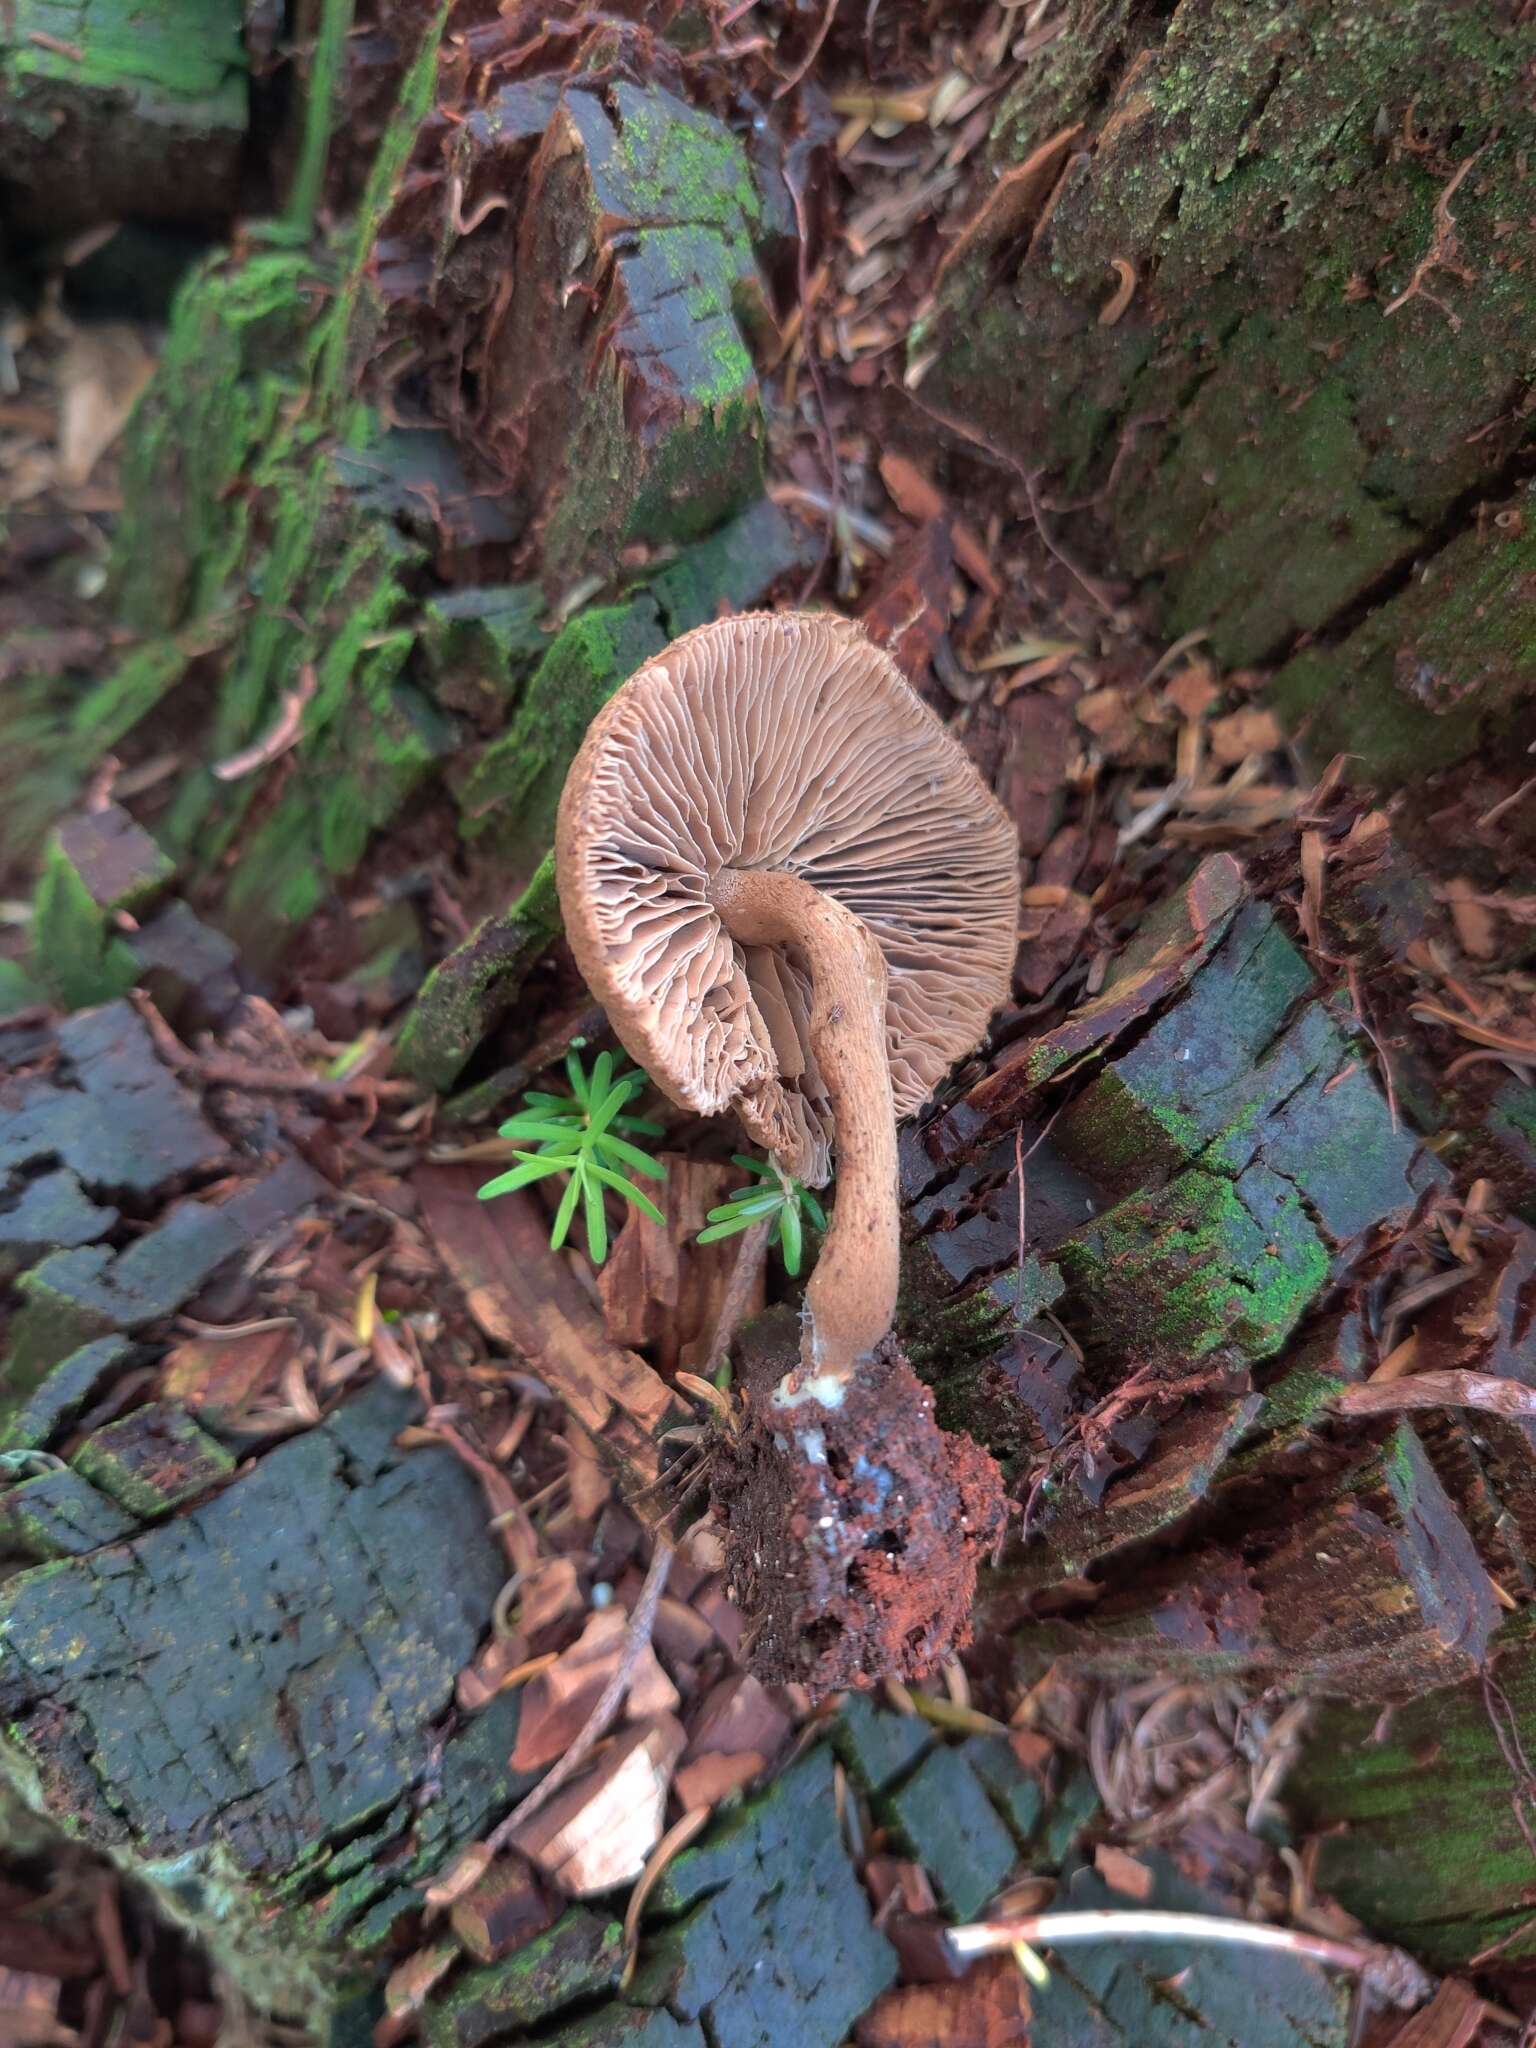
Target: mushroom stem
850	1298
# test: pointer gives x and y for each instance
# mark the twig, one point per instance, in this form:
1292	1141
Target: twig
283	734
611	1699
794	78
1397	1976
1053	546
225	1070
1171	654
754	1246
1441	253
1508	803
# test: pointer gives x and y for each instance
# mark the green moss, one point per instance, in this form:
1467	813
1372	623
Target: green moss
1206	1264
466	994
1430	677
1417	1832
514	788
76	955
168	56
682	163
1292	445
130	693
320	108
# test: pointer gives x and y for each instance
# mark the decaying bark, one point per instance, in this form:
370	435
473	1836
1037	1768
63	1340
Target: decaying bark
1274	332
1248	295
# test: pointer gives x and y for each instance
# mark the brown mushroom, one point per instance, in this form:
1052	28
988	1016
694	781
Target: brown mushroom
794	896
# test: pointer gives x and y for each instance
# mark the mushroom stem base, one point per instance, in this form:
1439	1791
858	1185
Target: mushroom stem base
853	1533
850	1299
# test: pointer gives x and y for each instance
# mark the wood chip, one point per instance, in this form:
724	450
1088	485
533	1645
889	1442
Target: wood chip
707	1781
1123	1874
525	1296
1452	2019
558	1702
659	1287
1194	689
598	1831
1477	930
1241	733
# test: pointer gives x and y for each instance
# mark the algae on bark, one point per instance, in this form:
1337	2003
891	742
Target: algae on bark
1279	426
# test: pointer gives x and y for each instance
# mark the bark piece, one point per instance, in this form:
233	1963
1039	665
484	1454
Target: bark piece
523	1295
225	1695
53	1211
1174	941
476	983
153	1460
708	1779
944	1817
581	1956
738	1718
991	2009
1365	1588
1015	1792
877	1745
505	1910
62	1395
1206	1266
658	1286
765	1918
125	1123
558	1702
1234	1072
650	208
113	111
1419	1814
186	968
121	866
218	1378
60	1514
1452	2019
1339	484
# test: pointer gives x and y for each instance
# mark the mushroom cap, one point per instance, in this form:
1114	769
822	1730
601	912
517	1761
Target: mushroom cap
781	740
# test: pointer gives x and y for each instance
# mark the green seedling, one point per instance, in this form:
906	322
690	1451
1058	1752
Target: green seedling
586	1135
774	1194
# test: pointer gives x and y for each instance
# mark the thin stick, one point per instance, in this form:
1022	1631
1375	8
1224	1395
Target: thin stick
1057	1930
225	1070
811	54
611	1699
753	1249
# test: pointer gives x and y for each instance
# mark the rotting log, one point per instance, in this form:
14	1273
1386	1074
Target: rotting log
1208	1164
336	615
110	111
1424	1814
1246	294
1149	1251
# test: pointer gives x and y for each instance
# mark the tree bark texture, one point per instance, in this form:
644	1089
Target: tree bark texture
1251	293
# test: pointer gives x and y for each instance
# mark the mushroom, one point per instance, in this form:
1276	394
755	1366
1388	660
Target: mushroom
795	897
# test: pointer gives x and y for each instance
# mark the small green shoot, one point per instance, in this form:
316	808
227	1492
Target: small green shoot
774	1194
580	1134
